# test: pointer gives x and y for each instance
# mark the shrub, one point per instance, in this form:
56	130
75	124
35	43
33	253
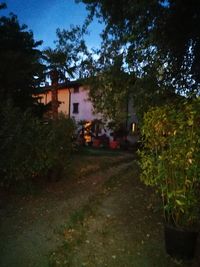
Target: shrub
59	145
170	160
31	148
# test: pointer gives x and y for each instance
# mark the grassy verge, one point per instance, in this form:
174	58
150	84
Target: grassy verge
73	233
89	161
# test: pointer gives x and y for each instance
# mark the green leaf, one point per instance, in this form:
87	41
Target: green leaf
179	202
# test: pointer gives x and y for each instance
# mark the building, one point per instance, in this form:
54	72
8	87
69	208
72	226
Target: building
72	100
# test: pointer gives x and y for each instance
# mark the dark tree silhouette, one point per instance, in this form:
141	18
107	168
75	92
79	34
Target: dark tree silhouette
20	69
163	35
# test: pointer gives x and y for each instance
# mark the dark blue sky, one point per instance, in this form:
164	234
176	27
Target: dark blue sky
43	17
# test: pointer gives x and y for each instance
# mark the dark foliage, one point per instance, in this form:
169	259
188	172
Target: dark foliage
162	35
20	68
31	149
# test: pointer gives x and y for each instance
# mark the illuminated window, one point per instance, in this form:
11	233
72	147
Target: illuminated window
75	107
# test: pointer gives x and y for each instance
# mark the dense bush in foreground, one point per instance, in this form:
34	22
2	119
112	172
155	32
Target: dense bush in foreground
31	148
170	160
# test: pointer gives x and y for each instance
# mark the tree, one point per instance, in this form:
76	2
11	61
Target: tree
110	91
20	68
161	35
69	56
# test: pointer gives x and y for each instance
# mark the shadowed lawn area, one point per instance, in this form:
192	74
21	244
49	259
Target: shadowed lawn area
101	216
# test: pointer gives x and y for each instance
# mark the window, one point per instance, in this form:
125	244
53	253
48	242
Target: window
76	89
75	107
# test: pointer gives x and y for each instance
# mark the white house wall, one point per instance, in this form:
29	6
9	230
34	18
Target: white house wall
85	107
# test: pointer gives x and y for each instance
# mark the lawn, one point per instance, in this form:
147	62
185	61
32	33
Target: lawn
101	215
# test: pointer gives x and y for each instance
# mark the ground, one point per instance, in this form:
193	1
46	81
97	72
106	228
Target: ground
101	215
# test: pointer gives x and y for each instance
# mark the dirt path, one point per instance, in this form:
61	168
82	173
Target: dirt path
30	225
102	216
120	227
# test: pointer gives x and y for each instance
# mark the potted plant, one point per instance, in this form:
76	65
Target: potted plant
170	162
114	144
96	142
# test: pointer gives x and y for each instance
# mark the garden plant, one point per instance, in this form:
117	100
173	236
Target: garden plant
170	160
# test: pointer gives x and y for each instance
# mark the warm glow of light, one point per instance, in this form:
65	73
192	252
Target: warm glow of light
87	130
87	138
133	127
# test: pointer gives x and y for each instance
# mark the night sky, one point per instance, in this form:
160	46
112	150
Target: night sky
43	17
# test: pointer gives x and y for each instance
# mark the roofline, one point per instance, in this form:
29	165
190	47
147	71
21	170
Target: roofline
65	85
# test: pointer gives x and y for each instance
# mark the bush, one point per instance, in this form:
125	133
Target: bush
170	160
59	145
31	148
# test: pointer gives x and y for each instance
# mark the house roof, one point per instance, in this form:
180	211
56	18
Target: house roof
60	86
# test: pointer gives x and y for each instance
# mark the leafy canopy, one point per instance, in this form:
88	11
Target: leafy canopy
162	35
110	91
